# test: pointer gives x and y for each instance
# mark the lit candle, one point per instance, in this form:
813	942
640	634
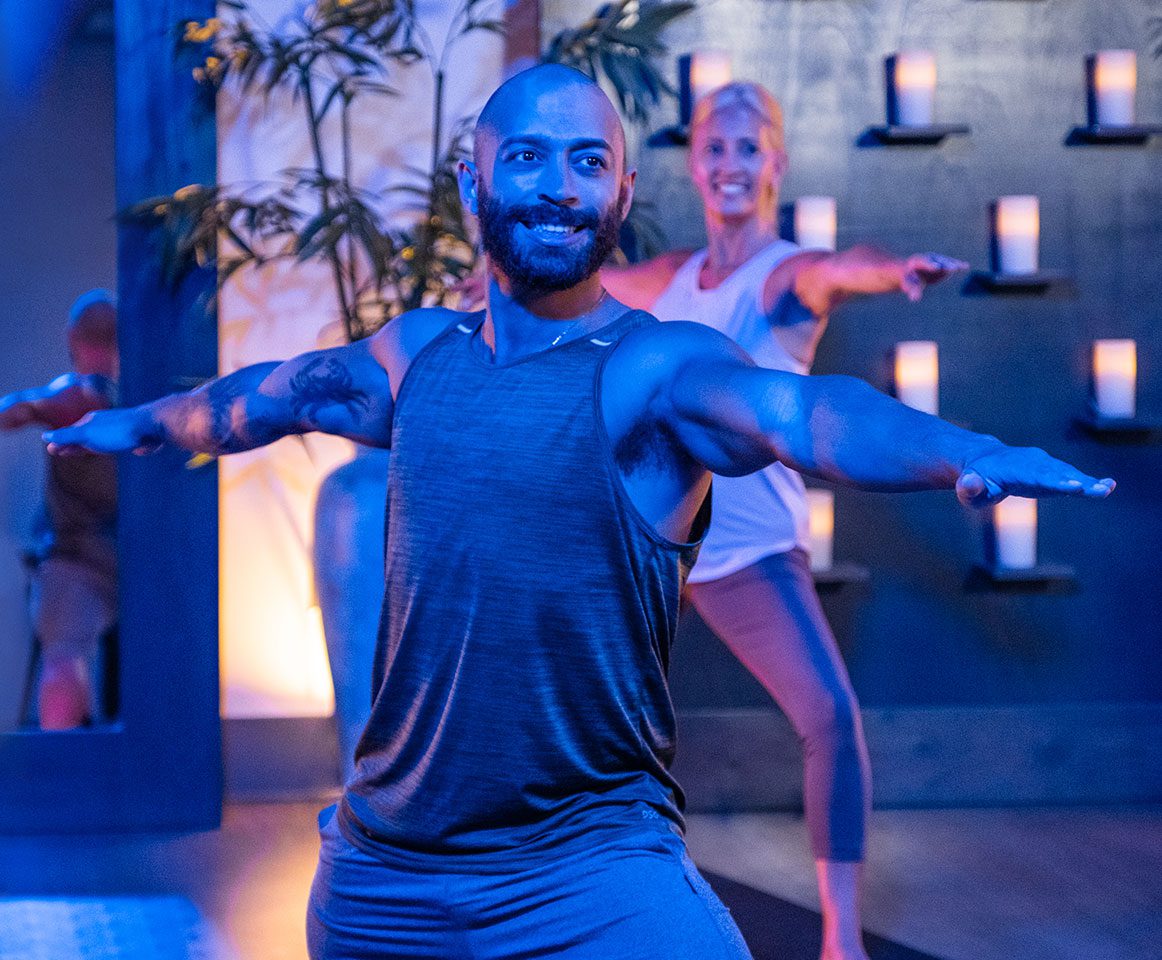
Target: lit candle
815	222
820	527
1015	529
918	375
913	74
700	73
1018	234
1115	376
1114	79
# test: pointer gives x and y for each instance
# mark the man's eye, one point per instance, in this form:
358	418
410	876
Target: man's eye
750	149
594	163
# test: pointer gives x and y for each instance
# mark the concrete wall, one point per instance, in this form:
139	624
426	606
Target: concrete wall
57	240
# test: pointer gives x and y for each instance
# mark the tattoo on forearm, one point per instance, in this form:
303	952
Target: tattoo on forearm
325	382
232	430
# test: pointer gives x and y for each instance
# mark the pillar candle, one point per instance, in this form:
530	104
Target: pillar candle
1115	80
820	527
1017	229
918	375
815	222
1015	529
1115	375
698	74
914	88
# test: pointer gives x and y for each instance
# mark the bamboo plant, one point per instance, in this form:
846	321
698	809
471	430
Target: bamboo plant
328	56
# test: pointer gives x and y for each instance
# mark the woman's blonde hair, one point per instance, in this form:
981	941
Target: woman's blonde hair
747	95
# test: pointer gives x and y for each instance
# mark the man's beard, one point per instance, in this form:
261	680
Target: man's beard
529	266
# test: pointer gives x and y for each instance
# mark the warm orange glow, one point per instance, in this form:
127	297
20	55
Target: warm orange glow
918	374
1015	523
1018	217
1115	70
709	70
820	527
915	70
1115	82
815	222
1115	377
1018	231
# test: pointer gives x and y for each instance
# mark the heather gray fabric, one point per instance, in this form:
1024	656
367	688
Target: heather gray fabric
529	613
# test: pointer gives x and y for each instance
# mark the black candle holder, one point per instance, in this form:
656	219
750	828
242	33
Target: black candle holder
1040	577
896	135
1105	135
839	574
986	282
1128	430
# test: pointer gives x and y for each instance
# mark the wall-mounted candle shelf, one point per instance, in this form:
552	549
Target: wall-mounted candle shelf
1040	577
1126	430
985	282
1113	136
902	136
669	137
840	574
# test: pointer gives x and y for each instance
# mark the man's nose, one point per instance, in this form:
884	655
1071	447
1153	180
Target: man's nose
556	186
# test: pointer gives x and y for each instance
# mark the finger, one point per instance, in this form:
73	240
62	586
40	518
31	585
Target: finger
912	285
938	263
970	487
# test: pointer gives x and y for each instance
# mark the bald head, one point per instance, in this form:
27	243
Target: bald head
545	96
92	333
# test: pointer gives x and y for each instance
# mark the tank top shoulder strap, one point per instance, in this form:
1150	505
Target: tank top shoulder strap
630	320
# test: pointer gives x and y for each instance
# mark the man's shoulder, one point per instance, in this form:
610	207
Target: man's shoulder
410	332
655	352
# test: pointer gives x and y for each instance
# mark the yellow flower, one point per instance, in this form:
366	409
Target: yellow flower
201	32
213	63
189	190
408	253
346	3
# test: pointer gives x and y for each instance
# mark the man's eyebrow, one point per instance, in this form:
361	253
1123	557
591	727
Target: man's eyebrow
527	139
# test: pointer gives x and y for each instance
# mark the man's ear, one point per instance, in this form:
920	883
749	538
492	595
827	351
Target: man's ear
627	184
466	178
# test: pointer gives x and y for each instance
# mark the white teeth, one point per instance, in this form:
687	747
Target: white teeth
553	229
731	189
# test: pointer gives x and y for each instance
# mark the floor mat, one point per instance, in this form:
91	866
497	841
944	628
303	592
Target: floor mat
777	930
107	928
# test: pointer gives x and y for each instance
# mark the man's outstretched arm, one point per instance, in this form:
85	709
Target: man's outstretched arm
343	391
63	401
735	418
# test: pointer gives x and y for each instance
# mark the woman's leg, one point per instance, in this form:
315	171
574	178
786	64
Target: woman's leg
769	616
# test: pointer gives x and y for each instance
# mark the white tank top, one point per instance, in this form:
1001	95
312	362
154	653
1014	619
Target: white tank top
765	512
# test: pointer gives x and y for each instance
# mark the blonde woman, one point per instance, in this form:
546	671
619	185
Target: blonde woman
752	584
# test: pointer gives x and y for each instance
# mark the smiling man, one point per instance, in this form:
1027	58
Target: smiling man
551	467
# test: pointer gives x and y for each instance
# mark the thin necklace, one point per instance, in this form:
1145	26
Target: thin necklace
569	329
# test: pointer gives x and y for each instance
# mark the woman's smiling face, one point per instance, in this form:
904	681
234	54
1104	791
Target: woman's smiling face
736	163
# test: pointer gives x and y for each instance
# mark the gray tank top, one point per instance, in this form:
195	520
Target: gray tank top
529	614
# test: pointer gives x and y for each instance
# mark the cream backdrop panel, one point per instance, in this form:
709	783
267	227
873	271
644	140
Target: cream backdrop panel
273	657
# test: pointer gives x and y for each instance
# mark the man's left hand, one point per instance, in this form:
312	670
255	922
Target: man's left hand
1025	472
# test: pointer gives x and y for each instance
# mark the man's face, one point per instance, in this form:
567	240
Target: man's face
550	190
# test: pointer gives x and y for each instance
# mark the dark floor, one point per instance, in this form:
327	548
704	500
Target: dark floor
1080	884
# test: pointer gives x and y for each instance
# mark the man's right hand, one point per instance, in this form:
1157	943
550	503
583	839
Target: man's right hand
106	431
